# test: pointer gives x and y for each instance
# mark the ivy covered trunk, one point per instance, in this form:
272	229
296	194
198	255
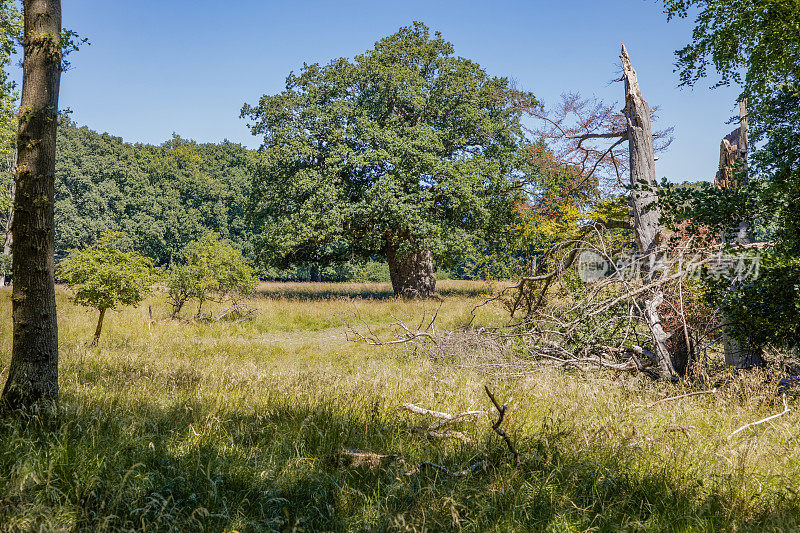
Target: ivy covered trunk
33	373
412	274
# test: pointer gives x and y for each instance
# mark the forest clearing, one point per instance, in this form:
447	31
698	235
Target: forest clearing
213	426
491	271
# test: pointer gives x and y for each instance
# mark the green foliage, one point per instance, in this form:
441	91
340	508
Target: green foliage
755	43
104	276
371	272
213	270
10	31
405	147
163	197
752	43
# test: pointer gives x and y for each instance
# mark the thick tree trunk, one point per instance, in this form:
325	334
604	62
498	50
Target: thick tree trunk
33	373
412	275
99	327
644	203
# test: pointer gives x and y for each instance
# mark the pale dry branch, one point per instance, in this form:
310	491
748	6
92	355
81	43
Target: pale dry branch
763	420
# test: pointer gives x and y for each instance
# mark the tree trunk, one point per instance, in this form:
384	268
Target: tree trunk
8	239
99	328
644	204
733	153
412	275
33	373
6	253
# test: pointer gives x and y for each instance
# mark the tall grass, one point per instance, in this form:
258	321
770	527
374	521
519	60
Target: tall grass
183	426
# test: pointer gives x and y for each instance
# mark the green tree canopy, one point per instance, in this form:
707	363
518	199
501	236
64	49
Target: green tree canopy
105	277
214	269
403	152
163	197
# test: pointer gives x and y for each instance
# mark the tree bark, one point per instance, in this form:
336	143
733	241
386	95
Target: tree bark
8	239
99	327
412	275
644	203
33	373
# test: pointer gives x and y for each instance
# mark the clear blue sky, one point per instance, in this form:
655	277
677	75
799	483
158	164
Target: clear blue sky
158	67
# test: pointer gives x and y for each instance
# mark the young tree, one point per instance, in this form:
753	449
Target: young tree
404	152
105	277
214	270
33	373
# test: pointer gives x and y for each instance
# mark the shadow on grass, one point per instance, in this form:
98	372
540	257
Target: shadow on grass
187	467
365	291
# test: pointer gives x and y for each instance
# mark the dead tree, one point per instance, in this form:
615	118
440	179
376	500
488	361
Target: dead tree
732	174
644	202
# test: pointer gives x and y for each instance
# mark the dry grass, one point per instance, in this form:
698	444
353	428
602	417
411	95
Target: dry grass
185	426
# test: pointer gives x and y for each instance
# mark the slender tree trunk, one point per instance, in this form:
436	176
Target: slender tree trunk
412	275
8	238
644	203
99	328
33	373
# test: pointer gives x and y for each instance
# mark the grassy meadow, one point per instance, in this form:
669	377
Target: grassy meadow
174	425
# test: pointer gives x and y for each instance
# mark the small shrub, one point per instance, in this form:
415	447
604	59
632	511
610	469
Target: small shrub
104	277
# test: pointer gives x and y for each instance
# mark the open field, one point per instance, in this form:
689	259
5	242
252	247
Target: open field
184	426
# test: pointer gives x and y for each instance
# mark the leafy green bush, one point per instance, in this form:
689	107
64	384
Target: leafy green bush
214	271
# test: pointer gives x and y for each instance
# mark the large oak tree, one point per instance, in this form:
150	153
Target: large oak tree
404	152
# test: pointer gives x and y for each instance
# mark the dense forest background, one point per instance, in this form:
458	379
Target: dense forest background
165	197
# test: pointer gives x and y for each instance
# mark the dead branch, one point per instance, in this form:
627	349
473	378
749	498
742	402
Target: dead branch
480	465
751	424
663	400
496	426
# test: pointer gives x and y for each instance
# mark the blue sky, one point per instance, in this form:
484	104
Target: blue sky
158	67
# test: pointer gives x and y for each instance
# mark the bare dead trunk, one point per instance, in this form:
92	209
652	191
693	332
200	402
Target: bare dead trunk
644	202
412	275
99	328
33	372
732	154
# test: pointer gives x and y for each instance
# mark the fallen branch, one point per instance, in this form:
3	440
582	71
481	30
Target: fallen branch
480	465
496	426
444	419
698	393
751	424
447	434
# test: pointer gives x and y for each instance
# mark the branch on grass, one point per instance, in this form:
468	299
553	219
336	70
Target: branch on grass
496	426
751	424
698	393
480	465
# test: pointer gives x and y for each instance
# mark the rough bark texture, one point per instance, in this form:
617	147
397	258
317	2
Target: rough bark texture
33	373
644	201
412	274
